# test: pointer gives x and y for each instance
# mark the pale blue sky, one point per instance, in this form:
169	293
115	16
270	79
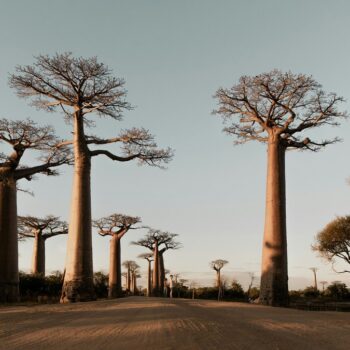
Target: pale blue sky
174	55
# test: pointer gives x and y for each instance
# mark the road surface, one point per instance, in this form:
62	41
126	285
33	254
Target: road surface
161	324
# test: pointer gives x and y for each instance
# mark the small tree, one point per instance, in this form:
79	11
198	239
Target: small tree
333	242
154	241
128	265
40	229
277	108
217	265
22	137
116	226
81	87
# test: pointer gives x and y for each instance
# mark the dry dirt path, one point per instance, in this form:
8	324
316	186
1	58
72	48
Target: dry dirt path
160	324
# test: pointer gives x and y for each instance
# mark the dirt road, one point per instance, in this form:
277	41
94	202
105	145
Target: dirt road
161	324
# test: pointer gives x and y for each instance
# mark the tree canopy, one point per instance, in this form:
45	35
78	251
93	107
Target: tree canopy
334	241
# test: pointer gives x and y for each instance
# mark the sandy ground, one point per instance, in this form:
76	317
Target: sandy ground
161	324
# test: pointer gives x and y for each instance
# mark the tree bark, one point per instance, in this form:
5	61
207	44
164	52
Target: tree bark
218	282
128	280
78	282
161	271
149	285
9	279
274	276
38	260
155	282
115	278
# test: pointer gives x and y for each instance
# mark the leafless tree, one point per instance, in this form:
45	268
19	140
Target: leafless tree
81	87
277	108
116	226
21	137
40	229
217	265
148	257
158	242
314	271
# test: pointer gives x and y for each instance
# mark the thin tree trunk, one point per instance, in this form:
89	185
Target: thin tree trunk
9	280
38	260
274	276
155	284
78	283
114	281
149	285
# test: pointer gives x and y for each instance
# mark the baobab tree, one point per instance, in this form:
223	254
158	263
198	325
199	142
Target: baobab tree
333	242
323	283
277	108
82	87
134	274
115	226
127	264
217	265
148	257
21	137
314	271
40	229
154	241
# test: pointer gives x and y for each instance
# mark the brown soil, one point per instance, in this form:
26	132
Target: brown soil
161	324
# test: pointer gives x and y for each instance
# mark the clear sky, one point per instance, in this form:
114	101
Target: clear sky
174	55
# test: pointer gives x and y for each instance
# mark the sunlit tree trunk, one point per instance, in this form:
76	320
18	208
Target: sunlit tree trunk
274	275
115	278
78	282
9	280
155	282
38	259
149	279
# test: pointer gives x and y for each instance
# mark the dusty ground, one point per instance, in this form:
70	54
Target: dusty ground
160	324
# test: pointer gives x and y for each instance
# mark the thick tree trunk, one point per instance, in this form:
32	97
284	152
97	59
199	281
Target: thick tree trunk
135	291
274	275
161	272
155	282
115	278
218	278
128	280
149	285
78	282
38	260
9	280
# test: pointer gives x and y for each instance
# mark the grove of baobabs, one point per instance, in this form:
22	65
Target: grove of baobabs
158	287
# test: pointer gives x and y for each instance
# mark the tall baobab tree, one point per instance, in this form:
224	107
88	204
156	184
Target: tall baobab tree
217	265
277	108
81	87
115	226
40	229
21	137
148	257
154	241
314	271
